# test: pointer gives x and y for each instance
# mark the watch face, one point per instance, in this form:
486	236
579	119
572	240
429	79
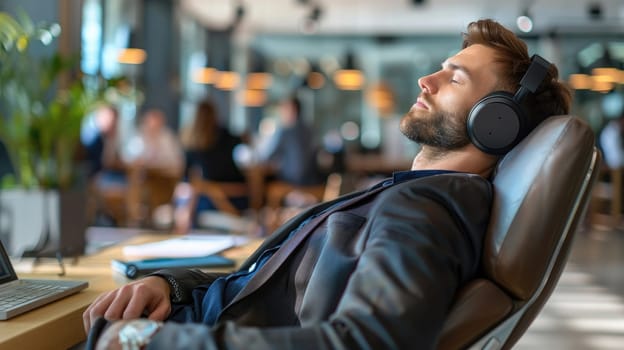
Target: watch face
137	333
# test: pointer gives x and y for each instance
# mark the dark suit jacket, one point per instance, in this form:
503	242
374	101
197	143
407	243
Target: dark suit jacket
378	273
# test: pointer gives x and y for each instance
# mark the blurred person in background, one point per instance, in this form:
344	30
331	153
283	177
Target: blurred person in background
155	161
100	139
295	180
208	149
106	168
156	147
293	150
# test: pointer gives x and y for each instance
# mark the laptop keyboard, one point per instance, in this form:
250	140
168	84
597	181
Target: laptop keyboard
25	292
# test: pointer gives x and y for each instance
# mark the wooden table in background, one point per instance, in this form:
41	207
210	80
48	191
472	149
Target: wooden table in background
375	164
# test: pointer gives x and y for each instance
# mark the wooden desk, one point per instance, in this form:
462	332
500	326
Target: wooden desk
59	325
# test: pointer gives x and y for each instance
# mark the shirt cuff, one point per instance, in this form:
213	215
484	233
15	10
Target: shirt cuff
176	292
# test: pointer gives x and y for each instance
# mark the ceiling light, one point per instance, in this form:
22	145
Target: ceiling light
602	86
259	80
594	11
349	78
381	97
581	81
315	80
310	23
252	98
524	23
132	56
239	13
606	74
132	53
227	80
204	75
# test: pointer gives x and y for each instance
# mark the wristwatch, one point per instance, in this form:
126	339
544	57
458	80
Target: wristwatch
135	334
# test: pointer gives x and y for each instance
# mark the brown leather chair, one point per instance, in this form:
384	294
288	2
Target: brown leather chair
542	188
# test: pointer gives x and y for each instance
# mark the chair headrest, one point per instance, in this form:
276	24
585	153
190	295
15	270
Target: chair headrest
535	190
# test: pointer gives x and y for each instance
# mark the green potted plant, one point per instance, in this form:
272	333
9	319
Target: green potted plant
40	115
41	111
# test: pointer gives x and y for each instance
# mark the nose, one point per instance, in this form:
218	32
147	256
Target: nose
427	83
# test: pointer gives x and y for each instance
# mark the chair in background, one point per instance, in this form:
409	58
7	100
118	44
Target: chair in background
147	190
108	204
227	207
220	193
285	200
278	191
226	216
541	191
605	209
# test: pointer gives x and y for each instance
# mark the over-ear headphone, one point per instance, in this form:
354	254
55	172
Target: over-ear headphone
497	122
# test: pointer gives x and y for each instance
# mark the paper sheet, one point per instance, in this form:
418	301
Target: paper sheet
185	246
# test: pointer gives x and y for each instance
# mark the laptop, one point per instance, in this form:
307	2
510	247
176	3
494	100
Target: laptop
20	295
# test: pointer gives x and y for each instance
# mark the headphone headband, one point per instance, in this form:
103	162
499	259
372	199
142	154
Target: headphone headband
532	78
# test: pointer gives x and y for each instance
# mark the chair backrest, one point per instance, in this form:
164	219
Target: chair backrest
541	191
220	193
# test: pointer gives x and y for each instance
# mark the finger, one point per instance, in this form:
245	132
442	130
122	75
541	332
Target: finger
86	322
135	306
161	311
97	309
145	297
117	307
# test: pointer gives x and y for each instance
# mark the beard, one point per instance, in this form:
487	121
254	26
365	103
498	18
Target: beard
445	131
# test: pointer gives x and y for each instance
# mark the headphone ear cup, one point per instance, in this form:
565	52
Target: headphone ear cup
495	123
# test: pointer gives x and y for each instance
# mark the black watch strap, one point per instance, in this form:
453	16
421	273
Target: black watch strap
95	331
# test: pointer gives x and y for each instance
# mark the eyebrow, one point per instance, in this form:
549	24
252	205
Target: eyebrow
456	67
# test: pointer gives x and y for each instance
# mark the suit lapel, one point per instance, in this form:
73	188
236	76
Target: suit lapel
289	246
284	230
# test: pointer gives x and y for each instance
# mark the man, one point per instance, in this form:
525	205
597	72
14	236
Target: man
376	269
293	151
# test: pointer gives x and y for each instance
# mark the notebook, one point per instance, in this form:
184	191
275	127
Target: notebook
136	268
20	295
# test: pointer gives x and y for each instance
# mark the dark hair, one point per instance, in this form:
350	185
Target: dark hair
551	98
202	133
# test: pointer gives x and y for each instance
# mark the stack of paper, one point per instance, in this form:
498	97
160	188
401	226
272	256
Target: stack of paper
191	245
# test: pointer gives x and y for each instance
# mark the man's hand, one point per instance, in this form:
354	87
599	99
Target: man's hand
149	295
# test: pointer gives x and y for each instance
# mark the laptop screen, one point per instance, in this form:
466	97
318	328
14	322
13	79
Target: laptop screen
6	270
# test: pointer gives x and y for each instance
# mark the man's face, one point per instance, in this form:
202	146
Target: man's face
438	118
